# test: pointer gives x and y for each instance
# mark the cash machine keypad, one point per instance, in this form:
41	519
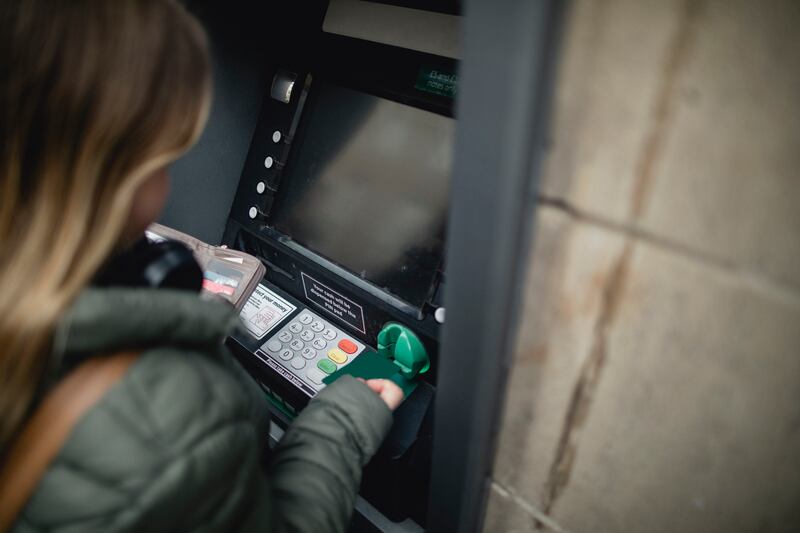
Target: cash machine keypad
308	348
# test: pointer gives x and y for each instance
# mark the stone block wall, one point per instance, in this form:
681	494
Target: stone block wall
656	381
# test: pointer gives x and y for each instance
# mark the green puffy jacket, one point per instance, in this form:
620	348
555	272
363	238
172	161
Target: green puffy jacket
176	445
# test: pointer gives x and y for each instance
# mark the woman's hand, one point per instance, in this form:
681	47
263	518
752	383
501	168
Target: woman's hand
388	391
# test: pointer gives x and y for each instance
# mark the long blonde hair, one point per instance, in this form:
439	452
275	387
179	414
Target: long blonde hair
94	96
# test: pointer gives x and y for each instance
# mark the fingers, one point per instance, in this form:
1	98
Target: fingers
387	390
376	385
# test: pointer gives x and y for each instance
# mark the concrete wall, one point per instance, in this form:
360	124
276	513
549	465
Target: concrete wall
656	384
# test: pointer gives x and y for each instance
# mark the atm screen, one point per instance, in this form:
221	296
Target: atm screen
366	186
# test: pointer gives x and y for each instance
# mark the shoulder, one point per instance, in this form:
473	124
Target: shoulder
156	447
177	396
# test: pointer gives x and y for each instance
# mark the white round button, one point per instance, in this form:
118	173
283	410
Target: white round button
319	344
268	161
298	363
439	315
286	355
274	346
314	375
305	318
261	187
253	213
276	137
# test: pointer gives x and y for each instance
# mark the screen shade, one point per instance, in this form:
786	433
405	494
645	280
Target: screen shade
366	186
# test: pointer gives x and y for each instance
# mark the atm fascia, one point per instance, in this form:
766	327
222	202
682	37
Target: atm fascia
397	480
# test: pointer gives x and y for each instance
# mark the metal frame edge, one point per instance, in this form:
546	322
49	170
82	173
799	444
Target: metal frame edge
509	54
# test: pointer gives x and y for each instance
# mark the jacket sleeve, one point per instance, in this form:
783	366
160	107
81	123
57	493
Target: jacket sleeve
315	470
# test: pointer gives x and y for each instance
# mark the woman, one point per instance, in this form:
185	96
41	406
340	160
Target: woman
96	98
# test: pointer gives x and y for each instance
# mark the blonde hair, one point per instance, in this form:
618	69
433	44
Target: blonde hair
95	95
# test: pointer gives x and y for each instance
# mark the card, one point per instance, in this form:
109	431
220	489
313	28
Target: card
370	365
219	278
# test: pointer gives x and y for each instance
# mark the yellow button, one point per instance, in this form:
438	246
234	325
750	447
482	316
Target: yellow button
337	356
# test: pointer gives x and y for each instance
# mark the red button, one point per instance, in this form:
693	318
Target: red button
348	346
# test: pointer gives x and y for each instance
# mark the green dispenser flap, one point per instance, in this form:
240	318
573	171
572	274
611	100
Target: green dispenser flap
401	357
395	341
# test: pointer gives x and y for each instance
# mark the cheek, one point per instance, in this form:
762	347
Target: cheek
157	195
148	202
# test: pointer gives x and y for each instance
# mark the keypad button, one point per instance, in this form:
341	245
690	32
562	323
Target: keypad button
307	335
285	336
329	334
319	344
348	346
274	346
309	353
337	356
295	327
297	344
326	366
305	318
314	375
286	354
298	363
317	326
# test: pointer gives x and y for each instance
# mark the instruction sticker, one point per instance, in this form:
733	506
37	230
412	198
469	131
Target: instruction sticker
263	311
334	303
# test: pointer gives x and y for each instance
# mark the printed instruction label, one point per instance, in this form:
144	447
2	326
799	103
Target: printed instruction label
285	373
334	303
263	311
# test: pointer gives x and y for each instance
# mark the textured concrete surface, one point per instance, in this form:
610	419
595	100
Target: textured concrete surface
563	297
505	515
731	159
611	46
656	382
508	513
695	424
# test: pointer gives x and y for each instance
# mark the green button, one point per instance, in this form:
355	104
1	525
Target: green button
326	366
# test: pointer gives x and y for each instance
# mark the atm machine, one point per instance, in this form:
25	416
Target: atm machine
330	155
343	195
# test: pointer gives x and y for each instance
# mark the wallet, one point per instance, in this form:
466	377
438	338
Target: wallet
230	274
